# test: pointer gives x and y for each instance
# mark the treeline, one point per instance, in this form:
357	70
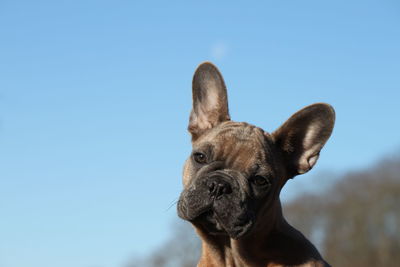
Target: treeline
355	222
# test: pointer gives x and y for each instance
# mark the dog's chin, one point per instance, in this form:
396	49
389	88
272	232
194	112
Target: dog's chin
210	224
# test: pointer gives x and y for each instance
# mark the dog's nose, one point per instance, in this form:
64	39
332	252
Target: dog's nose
218	187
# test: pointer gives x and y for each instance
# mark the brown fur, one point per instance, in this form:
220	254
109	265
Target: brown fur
240	151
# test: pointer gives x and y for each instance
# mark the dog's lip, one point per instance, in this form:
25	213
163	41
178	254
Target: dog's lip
203	214
194	217
209	219
199	216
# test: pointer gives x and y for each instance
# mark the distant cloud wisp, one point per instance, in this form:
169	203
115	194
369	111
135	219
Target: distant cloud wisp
219	50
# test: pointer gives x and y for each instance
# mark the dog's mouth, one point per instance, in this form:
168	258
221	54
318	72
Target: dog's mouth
218	222
211	223
211	207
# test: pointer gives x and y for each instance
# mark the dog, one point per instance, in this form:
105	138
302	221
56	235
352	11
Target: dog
234	175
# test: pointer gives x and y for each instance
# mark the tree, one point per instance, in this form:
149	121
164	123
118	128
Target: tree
181	250
357	222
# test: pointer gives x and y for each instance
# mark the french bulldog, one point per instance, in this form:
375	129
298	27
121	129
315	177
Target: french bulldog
234	175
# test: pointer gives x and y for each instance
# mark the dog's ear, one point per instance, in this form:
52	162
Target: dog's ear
210	100
303	135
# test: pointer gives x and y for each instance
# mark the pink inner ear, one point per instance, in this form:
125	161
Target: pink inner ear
201	121
306	164
313	160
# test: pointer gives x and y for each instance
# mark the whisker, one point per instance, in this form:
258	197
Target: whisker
174	202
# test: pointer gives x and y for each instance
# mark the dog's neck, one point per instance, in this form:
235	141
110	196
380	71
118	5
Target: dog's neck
278	245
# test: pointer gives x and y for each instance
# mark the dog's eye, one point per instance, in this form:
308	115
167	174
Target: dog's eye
260	180
199	157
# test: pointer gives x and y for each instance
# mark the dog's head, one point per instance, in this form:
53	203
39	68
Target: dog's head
236	170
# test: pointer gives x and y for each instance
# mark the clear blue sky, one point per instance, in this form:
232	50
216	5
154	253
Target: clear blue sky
95	98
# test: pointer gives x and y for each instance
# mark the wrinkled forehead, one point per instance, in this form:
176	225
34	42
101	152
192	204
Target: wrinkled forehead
240	145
